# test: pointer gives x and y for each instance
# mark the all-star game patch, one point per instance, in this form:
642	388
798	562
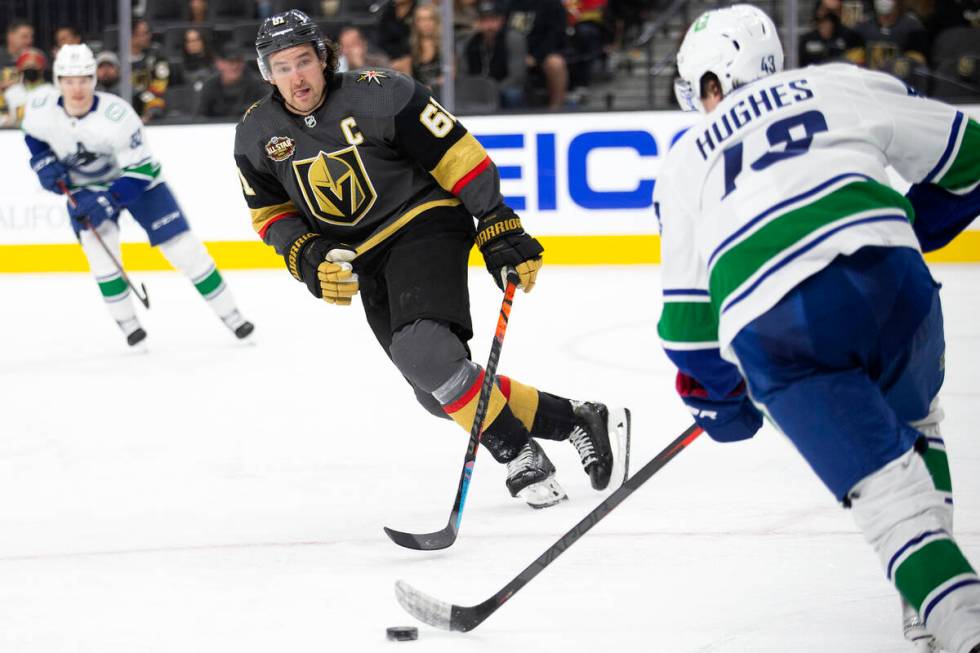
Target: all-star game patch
280	148
372	76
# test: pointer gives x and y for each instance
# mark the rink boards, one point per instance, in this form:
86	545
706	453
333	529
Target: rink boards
583	183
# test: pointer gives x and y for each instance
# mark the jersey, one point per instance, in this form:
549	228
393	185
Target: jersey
786	174
16	97
377	154
104	146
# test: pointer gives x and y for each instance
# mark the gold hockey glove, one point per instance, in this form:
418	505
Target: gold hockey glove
504	244
337	278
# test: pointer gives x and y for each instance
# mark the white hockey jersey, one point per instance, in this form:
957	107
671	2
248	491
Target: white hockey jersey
107	143
783	176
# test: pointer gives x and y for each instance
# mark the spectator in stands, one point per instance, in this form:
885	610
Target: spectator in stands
197	11
107	72
31	65
894	40
464	15
425	41
585	19
956	59
20	36
394	33
355	52
497	52
150	73
829	41
197	64
65	35
233	90
544	22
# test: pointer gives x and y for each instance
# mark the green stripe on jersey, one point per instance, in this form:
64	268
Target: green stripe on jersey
688	322
113	287
938	465
210	283
965	169
149	169
738	264
928	568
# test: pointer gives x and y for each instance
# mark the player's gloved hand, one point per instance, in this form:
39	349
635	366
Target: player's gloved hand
324	266
49	170
337	278
729	419
93	207
504	244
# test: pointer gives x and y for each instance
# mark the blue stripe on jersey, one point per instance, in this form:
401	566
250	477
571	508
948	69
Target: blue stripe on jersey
718	376
881	218
950	144
685	291
802	196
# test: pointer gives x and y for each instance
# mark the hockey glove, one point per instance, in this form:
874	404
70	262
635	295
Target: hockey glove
505	244
50	171
728	419
93	207
324	266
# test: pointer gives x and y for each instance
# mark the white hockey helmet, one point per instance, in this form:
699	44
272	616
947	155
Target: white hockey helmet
74	61
739	44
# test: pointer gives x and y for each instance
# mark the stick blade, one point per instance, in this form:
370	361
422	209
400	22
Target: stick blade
425	541
423	607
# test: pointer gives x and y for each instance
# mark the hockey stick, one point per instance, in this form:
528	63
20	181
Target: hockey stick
443	615
145	297
444	538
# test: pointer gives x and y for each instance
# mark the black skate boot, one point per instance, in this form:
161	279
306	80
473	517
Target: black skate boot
531	476
244	330
602	439
136	337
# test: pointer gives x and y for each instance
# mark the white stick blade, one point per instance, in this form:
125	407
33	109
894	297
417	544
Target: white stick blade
423	607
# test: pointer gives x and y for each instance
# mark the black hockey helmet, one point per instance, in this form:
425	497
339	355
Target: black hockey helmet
285	30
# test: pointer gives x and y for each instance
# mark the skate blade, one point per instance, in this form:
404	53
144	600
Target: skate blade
619	427
543	494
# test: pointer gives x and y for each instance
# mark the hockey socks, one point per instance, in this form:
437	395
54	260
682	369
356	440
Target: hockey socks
188	254
115	292
503	434
905	518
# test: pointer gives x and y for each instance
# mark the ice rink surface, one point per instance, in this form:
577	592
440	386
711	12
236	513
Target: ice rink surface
212	496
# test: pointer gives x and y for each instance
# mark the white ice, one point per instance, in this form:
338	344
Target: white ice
211	496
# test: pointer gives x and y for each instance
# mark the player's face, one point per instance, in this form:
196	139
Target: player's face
77	93
298	74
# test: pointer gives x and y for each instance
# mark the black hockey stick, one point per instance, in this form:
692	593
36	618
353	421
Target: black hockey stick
444	538
462	618
145	297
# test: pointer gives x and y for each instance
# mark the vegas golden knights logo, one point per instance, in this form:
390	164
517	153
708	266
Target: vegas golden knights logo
335	186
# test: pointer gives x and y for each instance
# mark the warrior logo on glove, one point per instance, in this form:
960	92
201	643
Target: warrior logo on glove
335	186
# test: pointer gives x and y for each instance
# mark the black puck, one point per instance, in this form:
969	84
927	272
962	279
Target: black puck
403	633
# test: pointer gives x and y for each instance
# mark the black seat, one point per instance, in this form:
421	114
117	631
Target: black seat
476	95
181	101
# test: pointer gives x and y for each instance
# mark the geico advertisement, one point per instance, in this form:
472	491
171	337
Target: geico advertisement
565	174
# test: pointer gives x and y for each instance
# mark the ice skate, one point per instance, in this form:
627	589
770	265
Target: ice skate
135	335
531	476
241	327
915	631
602	438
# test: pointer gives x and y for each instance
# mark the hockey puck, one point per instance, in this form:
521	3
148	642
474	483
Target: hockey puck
403	633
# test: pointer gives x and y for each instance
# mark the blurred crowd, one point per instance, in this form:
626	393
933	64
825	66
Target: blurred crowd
932	45
196	58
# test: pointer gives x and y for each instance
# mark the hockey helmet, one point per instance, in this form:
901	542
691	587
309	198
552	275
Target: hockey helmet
285	30
739	44
74	61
